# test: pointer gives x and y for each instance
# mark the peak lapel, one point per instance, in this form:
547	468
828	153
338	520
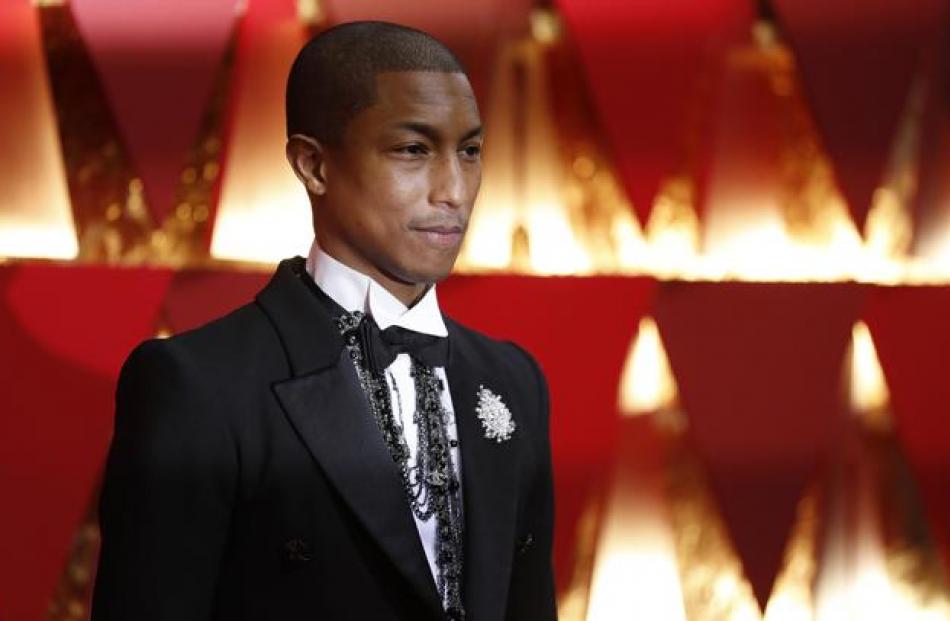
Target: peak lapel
326	405
489	486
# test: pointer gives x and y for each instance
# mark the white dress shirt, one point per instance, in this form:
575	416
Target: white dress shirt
354	291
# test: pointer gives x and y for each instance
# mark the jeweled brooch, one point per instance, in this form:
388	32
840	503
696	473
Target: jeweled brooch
495	416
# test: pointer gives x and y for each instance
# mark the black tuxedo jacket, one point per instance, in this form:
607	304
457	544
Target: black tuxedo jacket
247	479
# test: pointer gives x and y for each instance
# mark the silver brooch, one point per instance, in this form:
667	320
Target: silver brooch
495	416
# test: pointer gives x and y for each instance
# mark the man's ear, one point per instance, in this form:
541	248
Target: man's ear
306	156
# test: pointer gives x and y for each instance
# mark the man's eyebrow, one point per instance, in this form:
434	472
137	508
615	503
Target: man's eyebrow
423	129
472	133
433	133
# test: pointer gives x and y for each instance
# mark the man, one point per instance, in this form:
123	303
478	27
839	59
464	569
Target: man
339	449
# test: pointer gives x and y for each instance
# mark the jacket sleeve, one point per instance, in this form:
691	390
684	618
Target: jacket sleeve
532	592
167	492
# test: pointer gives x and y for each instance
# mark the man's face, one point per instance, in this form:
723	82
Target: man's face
401	185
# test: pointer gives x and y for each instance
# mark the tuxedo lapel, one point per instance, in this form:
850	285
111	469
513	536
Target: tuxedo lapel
332	415
326	405
489	485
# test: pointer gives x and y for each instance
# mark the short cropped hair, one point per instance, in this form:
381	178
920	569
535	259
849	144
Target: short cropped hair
334	75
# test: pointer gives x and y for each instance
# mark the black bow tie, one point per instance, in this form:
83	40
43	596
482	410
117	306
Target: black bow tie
380	347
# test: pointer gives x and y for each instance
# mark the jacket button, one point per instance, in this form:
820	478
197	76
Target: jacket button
297	551
526	542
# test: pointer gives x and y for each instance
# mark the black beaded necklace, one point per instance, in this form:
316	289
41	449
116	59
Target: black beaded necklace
429	481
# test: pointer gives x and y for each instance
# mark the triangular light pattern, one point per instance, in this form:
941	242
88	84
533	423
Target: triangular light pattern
35	216
263	213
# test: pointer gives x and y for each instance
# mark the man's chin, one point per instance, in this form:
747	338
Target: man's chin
428	275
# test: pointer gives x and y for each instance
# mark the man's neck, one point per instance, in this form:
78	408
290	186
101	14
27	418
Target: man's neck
407	293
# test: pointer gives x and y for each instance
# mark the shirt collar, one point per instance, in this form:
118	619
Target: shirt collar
355	291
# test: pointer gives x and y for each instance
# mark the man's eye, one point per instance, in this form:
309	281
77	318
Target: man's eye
414	150
472	151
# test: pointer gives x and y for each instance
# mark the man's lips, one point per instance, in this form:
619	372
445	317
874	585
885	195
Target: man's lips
440	229
441	235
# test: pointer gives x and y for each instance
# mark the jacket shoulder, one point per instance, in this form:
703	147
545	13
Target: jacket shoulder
242	339
505	355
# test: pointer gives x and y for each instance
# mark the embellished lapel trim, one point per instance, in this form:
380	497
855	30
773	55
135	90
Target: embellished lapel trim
489	485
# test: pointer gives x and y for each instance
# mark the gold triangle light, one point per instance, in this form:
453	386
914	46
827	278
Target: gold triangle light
522	220
647	383
869	391
264	213
35	216
635	573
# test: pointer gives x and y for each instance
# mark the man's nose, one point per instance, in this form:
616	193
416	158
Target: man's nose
447	182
